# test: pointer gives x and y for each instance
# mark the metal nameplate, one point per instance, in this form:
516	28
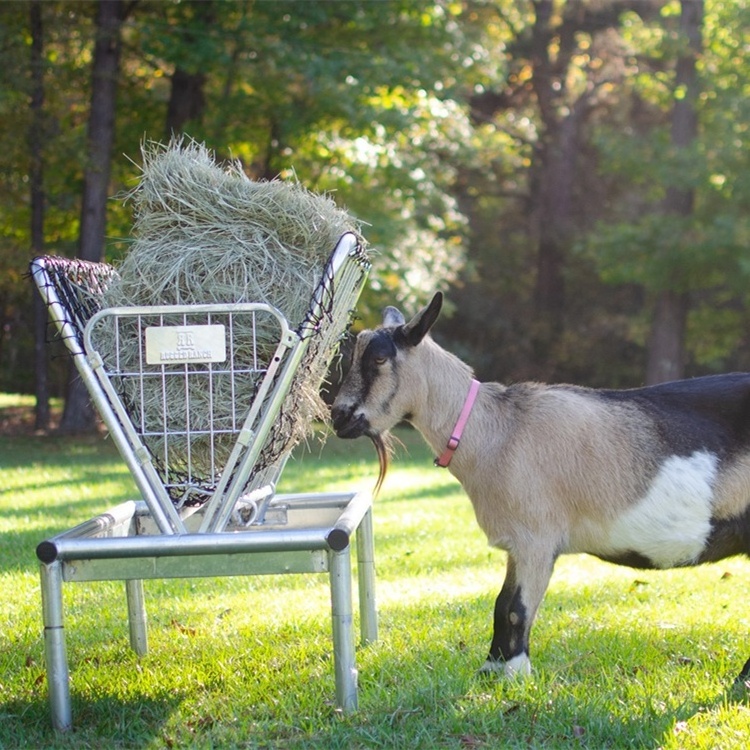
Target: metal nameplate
169	345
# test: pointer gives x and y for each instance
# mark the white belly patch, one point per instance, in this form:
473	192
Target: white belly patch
671	524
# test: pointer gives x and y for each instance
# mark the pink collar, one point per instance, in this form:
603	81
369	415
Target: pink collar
458	430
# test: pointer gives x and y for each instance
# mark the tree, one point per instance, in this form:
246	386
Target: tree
78	414
562	111
36	189
19	186
537	135
666	346
187	100
558	69
679	229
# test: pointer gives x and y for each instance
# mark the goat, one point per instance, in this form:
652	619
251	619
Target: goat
654	477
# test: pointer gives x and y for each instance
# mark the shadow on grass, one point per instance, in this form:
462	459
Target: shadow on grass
108	722
438	492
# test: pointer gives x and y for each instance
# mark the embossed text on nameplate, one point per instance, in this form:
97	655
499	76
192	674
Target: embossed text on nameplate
167	345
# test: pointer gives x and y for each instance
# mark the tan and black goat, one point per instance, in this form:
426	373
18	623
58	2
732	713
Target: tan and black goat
655	477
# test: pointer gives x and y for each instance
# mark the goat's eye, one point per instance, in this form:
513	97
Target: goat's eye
381	360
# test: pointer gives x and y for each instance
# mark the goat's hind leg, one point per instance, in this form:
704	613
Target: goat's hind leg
526	581
743	678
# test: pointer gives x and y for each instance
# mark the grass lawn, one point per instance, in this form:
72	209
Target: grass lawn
622	658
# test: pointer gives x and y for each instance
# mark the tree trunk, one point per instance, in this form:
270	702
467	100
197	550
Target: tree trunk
552	187
666	346
78	415
101	128
556	180
186	98
36	180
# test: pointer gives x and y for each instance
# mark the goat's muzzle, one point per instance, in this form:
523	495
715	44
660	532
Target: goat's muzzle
347	424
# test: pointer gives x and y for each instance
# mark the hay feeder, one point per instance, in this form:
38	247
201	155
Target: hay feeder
204	353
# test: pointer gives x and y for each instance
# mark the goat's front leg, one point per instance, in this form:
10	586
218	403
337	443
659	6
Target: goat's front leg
526	580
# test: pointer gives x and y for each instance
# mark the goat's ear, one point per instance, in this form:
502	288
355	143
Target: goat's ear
392	318
419	326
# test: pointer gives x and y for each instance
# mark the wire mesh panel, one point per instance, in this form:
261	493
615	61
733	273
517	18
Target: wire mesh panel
72	289
190	381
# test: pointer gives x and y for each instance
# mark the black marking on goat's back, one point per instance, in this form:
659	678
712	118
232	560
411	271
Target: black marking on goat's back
710	413
728	537
499	393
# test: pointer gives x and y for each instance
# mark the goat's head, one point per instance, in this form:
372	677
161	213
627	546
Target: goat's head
372	398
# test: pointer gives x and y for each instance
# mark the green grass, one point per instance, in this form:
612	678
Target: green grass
622	658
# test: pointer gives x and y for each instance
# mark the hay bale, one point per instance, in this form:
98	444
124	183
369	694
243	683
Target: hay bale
204	233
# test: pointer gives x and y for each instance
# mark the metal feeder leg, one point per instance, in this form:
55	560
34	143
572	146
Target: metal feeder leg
55	656
137	616
345	669
366	574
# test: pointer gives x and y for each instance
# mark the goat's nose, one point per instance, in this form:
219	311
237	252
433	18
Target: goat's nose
338	416
345	423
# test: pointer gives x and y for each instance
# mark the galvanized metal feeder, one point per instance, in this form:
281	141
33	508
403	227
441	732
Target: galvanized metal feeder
208	505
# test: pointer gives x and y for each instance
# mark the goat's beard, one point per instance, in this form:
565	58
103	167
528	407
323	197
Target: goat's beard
383	443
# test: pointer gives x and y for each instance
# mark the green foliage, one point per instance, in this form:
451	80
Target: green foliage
671	252
294	87
704	254
425	120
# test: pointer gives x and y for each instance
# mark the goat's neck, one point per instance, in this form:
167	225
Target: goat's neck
446	382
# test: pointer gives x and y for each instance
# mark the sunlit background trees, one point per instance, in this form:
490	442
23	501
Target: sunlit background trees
573	174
